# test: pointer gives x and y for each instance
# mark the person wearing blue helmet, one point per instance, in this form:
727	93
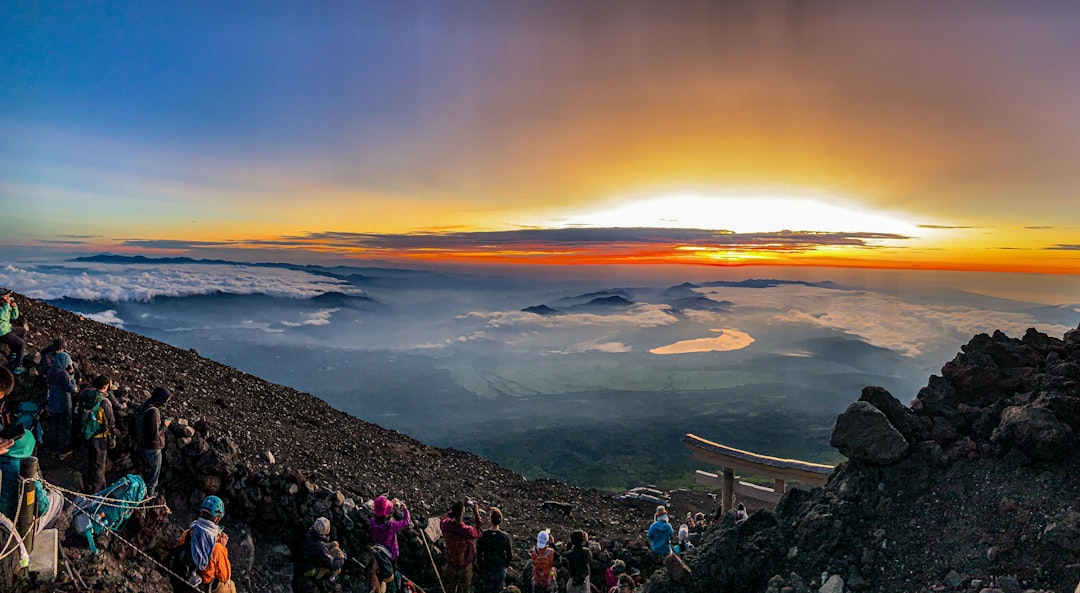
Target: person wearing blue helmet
205	543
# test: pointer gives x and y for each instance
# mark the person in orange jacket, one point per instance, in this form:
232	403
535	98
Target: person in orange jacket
207	549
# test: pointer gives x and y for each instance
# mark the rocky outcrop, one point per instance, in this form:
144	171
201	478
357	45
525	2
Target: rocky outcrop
972	487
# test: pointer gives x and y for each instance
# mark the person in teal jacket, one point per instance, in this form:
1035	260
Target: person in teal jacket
13	336
661	533
48	505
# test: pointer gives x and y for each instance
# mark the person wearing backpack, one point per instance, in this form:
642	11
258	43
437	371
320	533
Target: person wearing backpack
384	527
494	553
12	335
460	549
61	389
94	422
578	560
149	433
543	563
202	549
48	353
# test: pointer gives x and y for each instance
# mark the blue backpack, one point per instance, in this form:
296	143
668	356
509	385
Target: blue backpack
94	516
28	414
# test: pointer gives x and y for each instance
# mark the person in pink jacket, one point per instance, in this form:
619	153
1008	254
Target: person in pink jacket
384	528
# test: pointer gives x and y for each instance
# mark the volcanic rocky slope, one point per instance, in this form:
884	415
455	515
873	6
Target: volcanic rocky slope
280	458
975	487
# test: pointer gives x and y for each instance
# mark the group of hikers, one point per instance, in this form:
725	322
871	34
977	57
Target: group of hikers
82	410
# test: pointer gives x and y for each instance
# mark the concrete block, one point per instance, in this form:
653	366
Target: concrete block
44	558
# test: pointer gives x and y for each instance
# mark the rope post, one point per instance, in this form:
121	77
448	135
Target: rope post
28	470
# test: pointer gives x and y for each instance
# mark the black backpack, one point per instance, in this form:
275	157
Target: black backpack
384	562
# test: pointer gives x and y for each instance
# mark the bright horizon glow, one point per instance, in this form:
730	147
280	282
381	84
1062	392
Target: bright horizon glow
743	214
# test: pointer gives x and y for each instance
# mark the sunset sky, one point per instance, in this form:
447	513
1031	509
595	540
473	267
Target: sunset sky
928	135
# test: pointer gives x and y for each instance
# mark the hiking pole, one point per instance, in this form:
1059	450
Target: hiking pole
442	587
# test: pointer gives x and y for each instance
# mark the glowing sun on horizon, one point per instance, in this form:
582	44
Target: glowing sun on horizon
742	214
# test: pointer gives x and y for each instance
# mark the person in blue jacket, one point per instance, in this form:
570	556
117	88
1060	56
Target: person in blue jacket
61	389
661	533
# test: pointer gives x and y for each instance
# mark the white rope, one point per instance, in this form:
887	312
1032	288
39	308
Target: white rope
133	546
14	526
104	500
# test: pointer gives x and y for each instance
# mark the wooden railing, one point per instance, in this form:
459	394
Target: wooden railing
780	470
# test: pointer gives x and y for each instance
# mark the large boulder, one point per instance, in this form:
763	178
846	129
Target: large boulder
1036	431
899	416
864	433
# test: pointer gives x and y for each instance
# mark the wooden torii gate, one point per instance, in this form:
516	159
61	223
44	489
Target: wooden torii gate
780	470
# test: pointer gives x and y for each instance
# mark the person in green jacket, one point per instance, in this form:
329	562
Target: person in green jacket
13	336
48	505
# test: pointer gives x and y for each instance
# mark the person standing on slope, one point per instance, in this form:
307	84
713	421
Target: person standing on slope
578	559
61	388
460	548
207	547
494	553
13	336
661	533
543	564
150	436
384	527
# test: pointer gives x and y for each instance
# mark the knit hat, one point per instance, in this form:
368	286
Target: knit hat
382	506
542	538
62	360
322	526
618	567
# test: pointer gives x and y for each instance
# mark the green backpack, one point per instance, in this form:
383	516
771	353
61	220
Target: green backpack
89	417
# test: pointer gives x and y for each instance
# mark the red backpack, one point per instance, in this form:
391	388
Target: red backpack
542	561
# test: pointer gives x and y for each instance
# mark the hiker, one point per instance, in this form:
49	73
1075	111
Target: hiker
94	422
624	585
460	548
494	553
322	558
661	533
205	546
684	541
543	564
578	560
150	435
612	574
49	504
384	528
13	336
48	353
740	514
61	389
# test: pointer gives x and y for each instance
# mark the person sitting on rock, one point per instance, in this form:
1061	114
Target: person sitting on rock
460	549
22	446
494	553
612	574
207	549
61	389
661	533
543	564
684	540
12	335
384	527
322	558
578	560
150	436
740	513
